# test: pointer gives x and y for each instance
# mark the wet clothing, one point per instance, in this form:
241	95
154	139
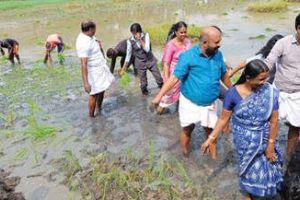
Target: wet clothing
171	55
53	41
200	75
121	48
251	129
191	113
143	60
99	76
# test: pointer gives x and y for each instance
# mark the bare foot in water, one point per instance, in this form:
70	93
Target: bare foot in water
185	144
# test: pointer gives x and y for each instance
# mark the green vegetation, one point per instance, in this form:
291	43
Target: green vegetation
125	80
21	154
126	177
61	57
269	29
258	37
158	33
268	6
15	4
37	131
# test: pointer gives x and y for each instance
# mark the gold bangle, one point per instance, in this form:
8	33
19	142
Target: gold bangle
211	137
271	141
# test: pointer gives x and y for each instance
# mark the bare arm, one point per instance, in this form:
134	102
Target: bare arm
236	69
84	72
166	87
226	80
221	123
166	67
270	151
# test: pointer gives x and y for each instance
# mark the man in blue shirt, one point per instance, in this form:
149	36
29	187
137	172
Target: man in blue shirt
199	70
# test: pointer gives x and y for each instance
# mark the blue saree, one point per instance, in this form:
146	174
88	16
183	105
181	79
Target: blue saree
250	127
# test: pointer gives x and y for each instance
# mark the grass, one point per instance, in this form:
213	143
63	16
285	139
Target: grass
20	4
268	6
158	33
37	131
128	177
258	37
125	80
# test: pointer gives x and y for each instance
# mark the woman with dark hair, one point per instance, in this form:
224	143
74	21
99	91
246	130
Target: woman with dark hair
177	42
253	105
262	54
139	46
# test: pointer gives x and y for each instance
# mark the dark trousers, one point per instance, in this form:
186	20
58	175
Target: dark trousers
142	73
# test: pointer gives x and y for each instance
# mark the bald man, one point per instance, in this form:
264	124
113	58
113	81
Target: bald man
199	70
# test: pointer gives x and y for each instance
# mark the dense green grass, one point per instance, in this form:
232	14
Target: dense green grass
158	33
16	4
268	6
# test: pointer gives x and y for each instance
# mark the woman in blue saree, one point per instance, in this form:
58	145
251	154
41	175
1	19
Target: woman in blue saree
253	105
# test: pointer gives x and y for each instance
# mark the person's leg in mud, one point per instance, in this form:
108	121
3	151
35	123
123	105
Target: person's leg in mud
11	56
48	53
156	74
99	100
185	138
213	147
293	138
16	53
92	105
142	72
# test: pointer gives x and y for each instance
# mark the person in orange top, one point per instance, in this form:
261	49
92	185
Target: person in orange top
53	41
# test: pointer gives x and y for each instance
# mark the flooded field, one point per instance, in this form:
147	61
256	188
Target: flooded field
47	138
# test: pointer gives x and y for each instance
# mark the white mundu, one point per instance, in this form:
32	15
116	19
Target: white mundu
99	75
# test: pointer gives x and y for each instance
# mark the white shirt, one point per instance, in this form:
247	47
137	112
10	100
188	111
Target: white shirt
138	43
88	47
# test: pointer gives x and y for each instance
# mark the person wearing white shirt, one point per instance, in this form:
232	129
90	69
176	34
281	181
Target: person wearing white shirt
96	75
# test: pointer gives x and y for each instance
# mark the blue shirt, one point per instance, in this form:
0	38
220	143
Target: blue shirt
200	75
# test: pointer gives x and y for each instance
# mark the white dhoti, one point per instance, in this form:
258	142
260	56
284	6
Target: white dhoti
100	78
190	113
289	108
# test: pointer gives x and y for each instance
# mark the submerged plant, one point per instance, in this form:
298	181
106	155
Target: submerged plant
38	131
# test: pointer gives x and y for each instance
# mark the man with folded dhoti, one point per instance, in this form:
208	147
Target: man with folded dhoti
199	70
286	53
96	75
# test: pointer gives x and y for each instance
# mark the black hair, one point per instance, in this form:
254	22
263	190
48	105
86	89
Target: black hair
218	28
252	70
87	25
265	50
297	21
136	28
174	28
110	53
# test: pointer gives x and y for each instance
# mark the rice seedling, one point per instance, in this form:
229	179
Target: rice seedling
21	154
61	57
268	29
37	131
128	177
268	6
125	80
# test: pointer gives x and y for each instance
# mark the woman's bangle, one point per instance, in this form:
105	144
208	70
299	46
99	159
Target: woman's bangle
211	137
271	141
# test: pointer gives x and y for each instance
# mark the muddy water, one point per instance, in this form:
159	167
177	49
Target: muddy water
126	121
